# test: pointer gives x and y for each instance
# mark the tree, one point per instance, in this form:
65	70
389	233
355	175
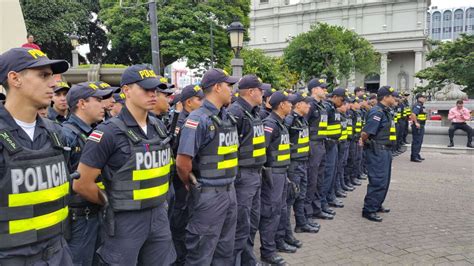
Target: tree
332	51
453	63
183	28
270	69
53	21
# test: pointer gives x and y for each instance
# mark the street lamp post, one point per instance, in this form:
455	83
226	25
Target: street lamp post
75	54
236	35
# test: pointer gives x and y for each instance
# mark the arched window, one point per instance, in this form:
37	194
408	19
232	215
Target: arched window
458	22
436	28
428	22
470	21
447	20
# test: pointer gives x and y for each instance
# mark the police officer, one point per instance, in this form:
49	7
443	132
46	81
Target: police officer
418	118
318	121
110	101
58	111
31	148
191	99
133	156
405	117
118	103
333	133
352	169
266	108
86	107
251	159
162	105
378	136
297	172
273	198
398	112
208	149
342	150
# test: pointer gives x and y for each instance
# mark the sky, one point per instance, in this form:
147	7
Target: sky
451	3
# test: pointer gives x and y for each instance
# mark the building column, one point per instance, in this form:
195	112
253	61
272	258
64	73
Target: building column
418	65
383	69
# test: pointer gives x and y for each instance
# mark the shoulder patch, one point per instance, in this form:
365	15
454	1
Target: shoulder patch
268	129
191	124
96	136
377	118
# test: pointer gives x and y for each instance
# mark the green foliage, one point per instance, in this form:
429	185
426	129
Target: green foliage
52	21
270	69
183	29
453	63
332	51
104	66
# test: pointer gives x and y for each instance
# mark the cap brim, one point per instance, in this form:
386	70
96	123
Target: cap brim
165	91
57	66
232	80
104	94
150	83
115	89
61	88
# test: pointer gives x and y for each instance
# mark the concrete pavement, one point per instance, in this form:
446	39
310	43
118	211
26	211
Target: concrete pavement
431	222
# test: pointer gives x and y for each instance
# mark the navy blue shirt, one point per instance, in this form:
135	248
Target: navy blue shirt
314	107
418	108
242	128
264	112
40	137
195	133
109	146
376	119
54	116
74	140
272	130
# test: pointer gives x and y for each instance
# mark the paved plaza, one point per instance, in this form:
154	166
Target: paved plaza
431	219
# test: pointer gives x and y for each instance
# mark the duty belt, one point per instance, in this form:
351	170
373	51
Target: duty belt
217	189
83	211
383	146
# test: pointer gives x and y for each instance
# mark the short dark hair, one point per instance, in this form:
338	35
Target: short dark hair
28	35
5	85
459	102
356	90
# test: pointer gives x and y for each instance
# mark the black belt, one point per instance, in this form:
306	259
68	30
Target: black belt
84	211
217	188
44	255
383	146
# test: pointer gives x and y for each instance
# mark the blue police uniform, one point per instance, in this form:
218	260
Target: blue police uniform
333	134
54	116
247	185
273	198
418	133
352	169
298	171
211	140
264	112
135	227
179	214
381	130
342	152
24	244
84	215
317	120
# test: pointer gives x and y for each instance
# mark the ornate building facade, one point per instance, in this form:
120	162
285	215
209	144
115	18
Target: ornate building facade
396	28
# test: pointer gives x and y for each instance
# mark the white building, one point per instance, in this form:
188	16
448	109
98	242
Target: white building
396	28
448	24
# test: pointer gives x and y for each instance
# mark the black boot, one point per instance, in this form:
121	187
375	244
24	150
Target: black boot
451	144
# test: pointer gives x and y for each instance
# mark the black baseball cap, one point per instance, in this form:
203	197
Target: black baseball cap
299	97
250	81
142	75
166	90
216	75
176	99
385	91
18	59
61	85
419	95
317	83
267	90
85	90
104	85
191	91
119	97
277	98
340	92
